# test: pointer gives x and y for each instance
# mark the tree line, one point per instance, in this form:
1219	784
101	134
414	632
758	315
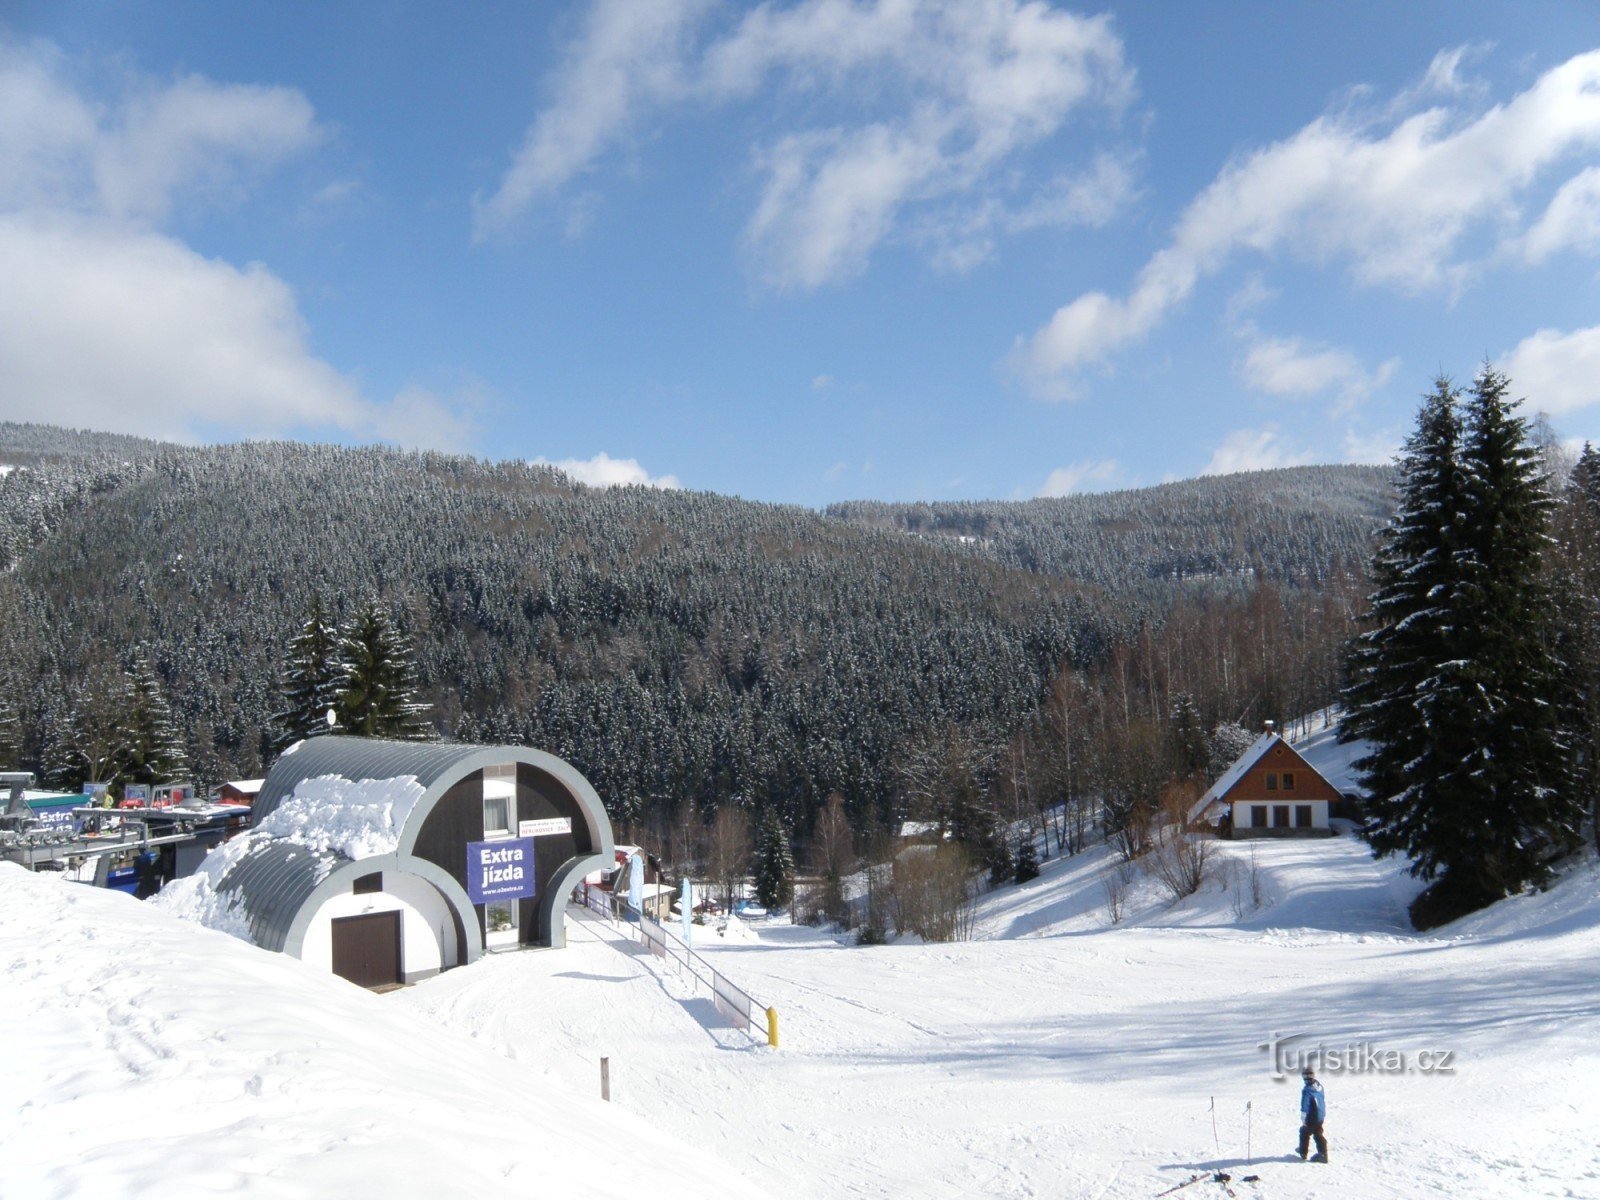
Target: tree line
689	653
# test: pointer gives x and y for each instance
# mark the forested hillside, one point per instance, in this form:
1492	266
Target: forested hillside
1299	524
683	649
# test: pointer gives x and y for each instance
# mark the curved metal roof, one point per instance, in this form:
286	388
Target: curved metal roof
272	882
277	881
369	758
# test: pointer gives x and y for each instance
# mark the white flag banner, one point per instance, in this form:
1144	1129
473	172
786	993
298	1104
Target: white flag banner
636	883
686	903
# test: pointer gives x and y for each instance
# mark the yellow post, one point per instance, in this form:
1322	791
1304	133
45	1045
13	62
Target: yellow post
772	1028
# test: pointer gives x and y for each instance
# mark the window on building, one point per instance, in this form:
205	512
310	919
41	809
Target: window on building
1288	781
1280	816
1272	781
499	801
1258	816
1302	816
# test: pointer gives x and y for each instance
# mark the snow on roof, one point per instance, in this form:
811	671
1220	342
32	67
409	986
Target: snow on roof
246	785
1234	773
325	821
356	818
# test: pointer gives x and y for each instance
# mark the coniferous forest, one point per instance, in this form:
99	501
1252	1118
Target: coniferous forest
688	652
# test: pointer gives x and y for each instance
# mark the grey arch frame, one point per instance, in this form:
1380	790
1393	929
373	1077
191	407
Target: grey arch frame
340	880
437	766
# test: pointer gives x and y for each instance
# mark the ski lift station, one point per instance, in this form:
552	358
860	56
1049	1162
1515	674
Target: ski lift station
386	862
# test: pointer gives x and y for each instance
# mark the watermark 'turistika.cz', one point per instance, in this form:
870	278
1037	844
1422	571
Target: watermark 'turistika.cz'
1292	1053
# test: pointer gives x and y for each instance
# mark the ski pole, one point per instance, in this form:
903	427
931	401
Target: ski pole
1249	1156
1214	1136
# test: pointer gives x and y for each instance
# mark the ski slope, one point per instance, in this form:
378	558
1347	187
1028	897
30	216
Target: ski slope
1057	1057
1052	1056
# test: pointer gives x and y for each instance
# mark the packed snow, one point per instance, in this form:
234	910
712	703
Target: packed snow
357	818
148	1057
1055	1055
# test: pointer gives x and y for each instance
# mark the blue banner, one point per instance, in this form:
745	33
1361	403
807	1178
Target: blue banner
500	870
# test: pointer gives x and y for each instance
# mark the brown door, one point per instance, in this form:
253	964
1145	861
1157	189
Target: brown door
366	949
1280	816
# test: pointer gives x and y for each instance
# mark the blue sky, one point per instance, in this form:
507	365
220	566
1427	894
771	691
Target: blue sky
800	251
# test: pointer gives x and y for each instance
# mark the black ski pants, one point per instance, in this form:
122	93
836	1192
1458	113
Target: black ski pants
1313	1129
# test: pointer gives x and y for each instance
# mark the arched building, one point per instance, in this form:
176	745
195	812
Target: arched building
388	861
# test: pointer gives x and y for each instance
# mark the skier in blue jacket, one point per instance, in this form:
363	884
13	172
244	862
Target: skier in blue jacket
1313	1112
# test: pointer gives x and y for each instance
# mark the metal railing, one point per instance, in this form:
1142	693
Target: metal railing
742	1010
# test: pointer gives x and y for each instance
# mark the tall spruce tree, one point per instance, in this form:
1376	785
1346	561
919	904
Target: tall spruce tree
152	750
379	696
1454	680
1515	778
1392	666
1576	587
774	864
313	677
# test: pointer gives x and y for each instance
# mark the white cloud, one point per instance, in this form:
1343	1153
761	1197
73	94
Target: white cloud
628	58
1393	199
1088	476
943	95
129	159
122	330
1570	221
1254	450
1558	372
603	471
1292	367
107	322
1377	448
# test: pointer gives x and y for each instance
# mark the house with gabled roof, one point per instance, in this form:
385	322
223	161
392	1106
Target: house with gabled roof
1269	791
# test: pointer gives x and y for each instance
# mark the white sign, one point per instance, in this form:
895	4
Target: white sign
544	827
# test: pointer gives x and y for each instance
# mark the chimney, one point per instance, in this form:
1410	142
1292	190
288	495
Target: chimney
1271	726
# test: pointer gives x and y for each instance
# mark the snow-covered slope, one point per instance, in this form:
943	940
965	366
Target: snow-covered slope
1052	1057
1059	1057
149	1057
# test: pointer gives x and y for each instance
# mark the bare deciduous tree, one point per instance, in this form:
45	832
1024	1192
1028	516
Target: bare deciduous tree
731	848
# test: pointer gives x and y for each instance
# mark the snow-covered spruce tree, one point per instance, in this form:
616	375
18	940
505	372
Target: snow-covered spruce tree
152	750
1520	807
10	728
378	698
1453	682
774	864
312	678
1575	581
1392	685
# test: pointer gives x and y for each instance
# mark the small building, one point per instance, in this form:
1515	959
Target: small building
1270	791
239	791
386	862
612	885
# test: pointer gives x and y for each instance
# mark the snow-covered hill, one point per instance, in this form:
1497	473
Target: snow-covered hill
1054	1056
1057	1056
149	1057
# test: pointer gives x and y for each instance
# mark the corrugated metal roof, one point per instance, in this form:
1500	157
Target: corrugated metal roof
364	758
272	881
